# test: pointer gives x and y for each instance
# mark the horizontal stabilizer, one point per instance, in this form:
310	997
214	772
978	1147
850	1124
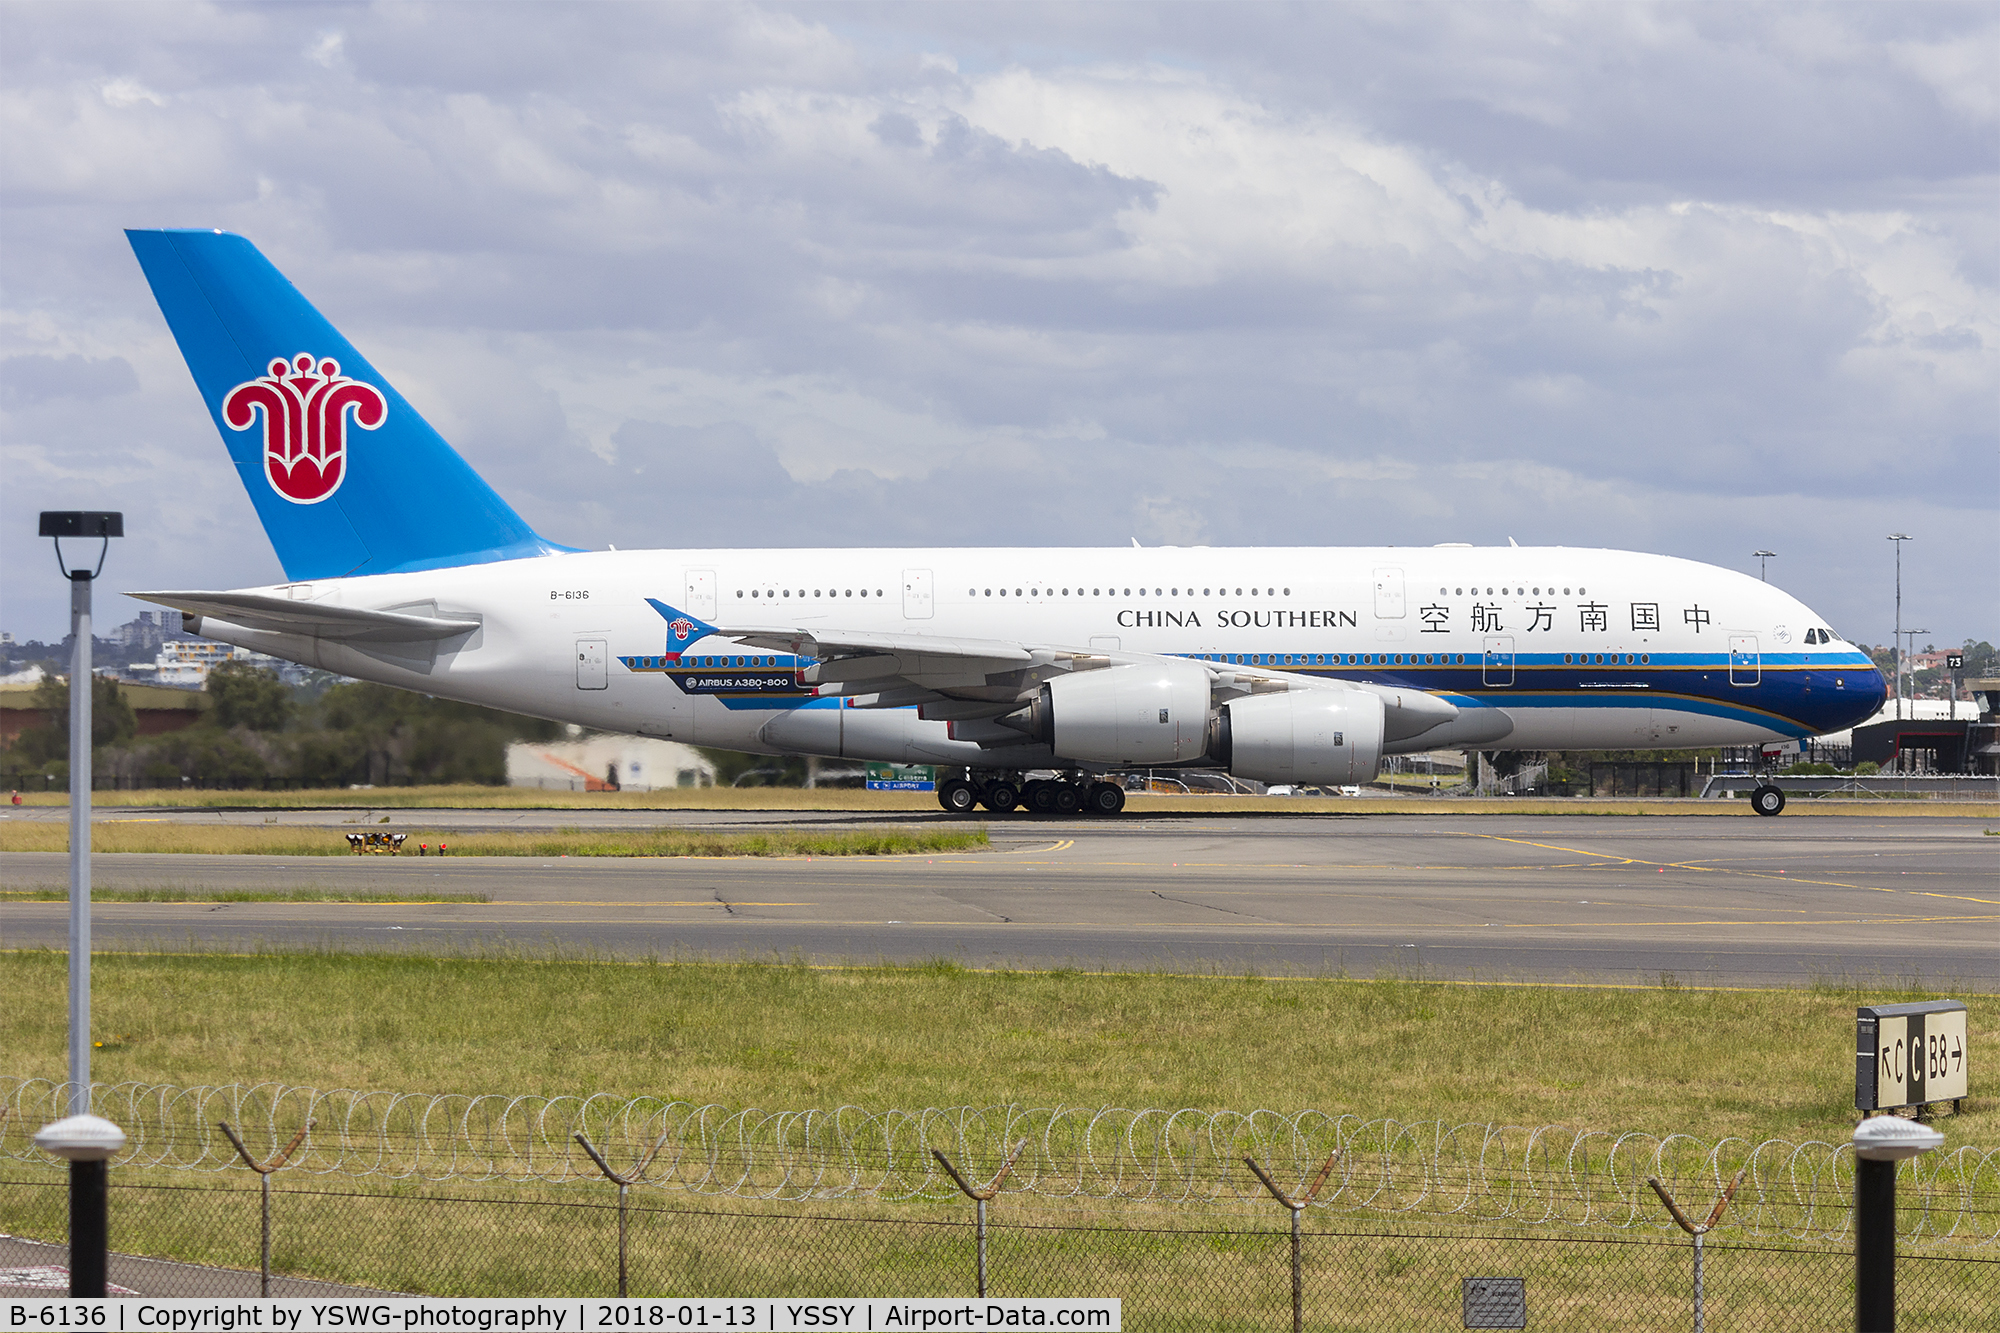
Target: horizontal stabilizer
281	615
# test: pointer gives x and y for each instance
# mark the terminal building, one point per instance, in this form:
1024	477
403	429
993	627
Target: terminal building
1933	736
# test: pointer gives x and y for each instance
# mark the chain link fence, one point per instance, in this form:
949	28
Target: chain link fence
1158	1208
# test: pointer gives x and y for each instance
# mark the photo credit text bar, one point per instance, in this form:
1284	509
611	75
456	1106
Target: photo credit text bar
500	1315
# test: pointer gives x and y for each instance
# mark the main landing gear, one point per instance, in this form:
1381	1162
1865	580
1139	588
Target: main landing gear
1070	794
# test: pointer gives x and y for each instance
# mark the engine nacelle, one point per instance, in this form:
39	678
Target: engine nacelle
1146	713
1323	737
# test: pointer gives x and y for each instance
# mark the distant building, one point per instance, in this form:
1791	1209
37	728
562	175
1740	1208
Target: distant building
156	710
185	663
607	763
149	631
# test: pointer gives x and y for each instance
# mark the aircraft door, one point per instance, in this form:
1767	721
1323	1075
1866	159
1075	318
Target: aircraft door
1746	665
1389	603
917	597
699	598
1496	664
590	664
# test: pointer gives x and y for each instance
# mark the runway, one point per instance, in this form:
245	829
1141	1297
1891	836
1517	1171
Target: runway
1692	899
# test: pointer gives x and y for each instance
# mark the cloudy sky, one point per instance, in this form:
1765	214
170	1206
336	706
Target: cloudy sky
1687	279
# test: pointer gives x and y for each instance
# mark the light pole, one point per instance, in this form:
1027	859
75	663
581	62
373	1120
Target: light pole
1909	646
1896	644
1762	556
104	526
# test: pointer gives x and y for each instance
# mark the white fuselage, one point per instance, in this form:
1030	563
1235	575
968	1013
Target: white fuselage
1580	649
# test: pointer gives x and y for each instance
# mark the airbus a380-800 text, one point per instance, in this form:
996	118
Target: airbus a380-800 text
1299	665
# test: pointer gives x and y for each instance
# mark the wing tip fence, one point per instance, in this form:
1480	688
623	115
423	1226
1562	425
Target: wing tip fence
1551	1175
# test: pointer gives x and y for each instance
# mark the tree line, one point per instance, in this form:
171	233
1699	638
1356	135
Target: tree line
259	732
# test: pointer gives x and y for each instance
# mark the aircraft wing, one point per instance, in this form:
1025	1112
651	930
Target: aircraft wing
281	615
948	679
970	682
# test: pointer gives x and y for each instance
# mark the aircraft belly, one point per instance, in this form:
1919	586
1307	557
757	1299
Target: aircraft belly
1628	728
887	735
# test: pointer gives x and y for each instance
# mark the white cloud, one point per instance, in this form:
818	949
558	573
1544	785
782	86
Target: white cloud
1965	72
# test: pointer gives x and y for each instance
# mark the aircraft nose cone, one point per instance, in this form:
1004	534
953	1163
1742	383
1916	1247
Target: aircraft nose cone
1868	693
1879	692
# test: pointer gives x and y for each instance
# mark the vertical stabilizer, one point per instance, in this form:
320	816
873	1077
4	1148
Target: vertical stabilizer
345	476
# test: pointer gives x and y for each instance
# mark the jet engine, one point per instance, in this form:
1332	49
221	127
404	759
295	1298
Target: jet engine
1324	737
1146	713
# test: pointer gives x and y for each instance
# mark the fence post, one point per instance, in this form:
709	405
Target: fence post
979	1196
1714	1216
1297	1205
624	1184
264	1171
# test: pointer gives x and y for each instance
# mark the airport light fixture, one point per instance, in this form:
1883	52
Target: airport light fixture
85	524
1896	643
1880	1142
1762	556
87	1143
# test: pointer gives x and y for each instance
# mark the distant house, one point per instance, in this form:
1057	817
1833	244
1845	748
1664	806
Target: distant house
607	763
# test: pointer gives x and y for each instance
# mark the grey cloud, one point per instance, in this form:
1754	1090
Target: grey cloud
26	380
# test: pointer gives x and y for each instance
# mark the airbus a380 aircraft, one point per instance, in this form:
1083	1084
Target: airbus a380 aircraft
1282	664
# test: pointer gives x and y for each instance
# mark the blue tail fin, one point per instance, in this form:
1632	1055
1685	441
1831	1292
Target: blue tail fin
345	475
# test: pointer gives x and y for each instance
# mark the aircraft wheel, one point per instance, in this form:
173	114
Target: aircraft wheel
1767	800
1104	798
957	797
1040	797
1000	798
1069	798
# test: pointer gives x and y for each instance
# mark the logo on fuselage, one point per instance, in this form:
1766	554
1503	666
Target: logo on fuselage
306	405
682	628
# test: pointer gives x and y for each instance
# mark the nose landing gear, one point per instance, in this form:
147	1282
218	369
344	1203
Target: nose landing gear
1768	800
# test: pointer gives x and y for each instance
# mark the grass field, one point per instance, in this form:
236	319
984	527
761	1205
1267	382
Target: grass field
221	839
848	798
1754	1063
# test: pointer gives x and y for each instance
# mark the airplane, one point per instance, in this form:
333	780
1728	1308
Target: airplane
1286	665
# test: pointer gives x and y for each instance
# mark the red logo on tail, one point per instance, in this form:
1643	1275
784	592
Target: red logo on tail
306	408
683	628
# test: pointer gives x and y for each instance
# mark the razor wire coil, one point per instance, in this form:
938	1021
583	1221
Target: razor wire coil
1547	1175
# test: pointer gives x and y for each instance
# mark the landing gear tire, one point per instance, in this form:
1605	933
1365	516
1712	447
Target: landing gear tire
1040	797
1767	801
1000	797
957	796
1104	798
1069	798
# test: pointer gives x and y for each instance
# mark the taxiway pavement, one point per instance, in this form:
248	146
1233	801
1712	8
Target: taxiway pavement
1696	899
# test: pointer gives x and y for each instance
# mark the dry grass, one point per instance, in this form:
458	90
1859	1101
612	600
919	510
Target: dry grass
504	798
224	839
1713	1063
200	895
